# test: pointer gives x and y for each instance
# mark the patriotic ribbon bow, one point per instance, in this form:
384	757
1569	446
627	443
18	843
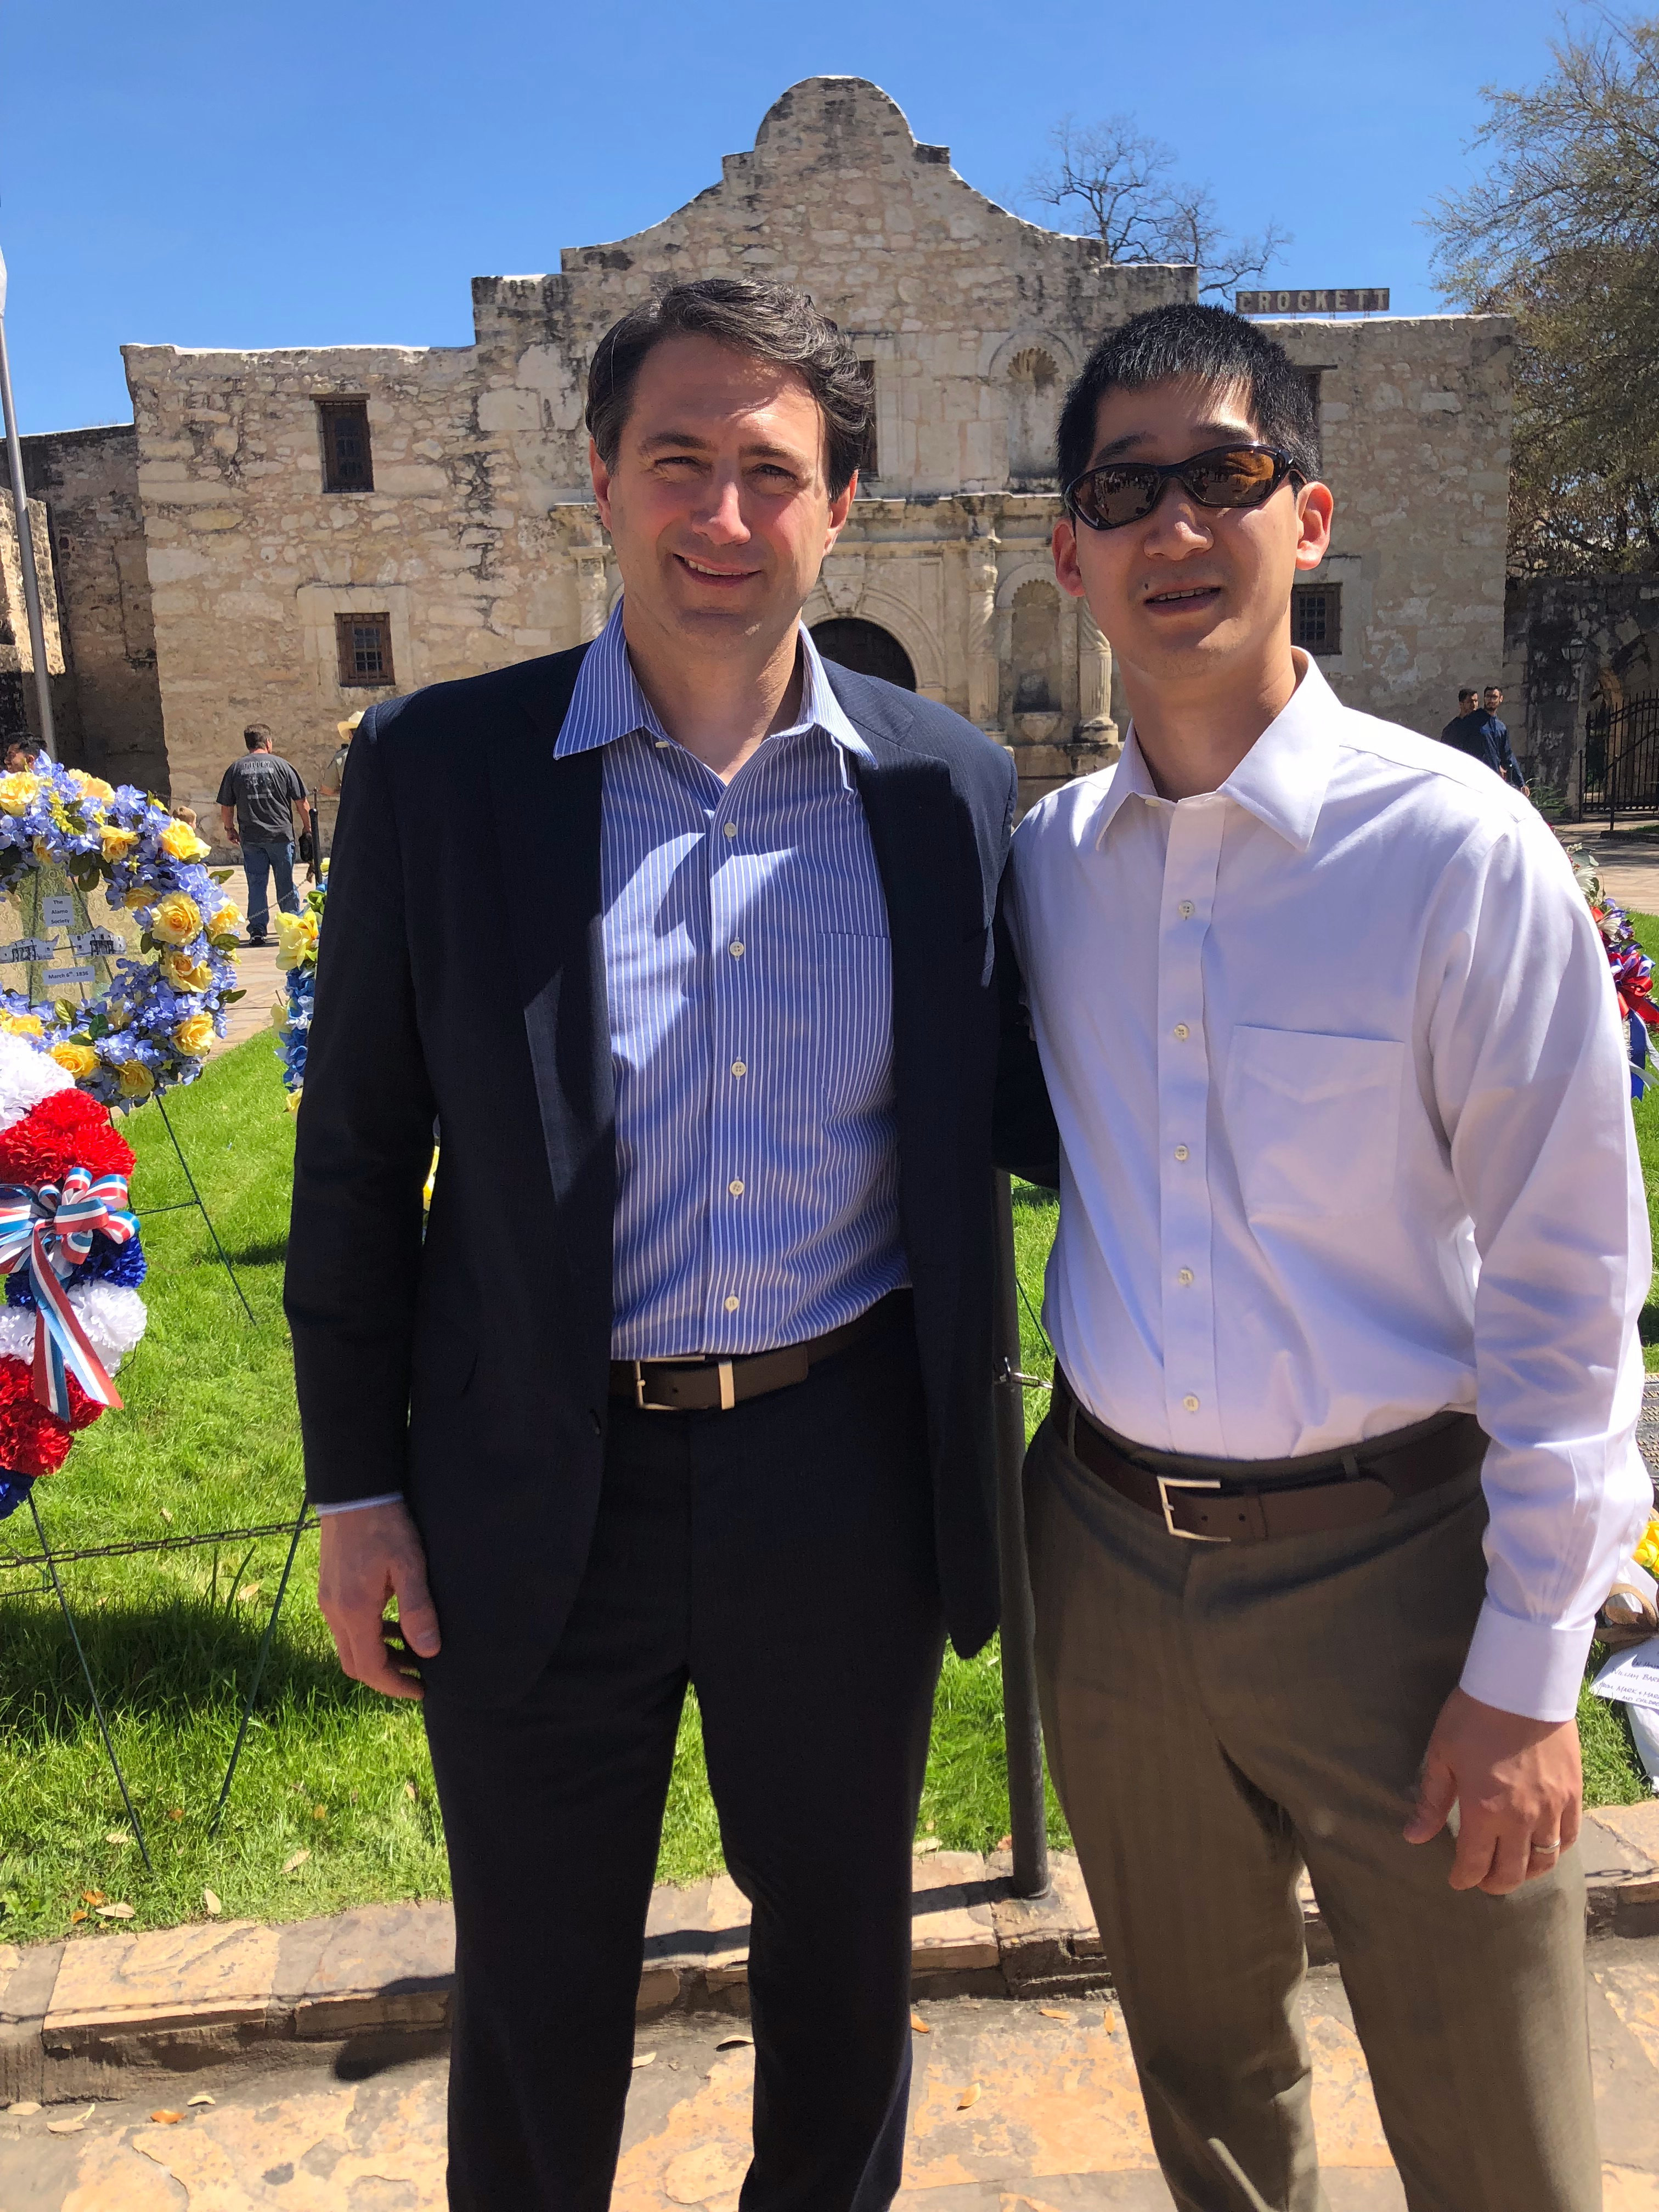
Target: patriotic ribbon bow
50	1232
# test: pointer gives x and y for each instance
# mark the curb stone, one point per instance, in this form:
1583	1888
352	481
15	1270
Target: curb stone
75	2018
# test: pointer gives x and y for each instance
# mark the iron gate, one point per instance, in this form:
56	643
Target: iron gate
1621	757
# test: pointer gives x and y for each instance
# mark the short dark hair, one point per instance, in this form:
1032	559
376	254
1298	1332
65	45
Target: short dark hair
773	322
1469	691
256	735
1203	345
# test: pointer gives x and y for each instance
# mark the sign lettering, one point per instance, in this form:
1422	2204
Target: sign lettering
1372	302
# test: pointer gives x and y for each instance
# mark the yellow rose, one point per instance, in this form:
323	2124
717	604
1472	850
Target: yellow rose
135	1079
227	921
279	1016
296	939
292	1102
136	897
80	1060
176	920
195	1036
22	1025
117	843
17	790
180	842
186	974
91	787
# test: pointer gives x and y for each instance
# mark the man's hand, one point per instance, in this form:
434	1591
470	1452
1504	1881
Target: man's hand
367	1558
1518	1785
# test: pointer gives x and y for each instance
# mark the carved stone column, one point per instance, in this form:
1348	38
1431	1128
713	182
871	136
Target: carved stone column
590	591
984	675
1094	667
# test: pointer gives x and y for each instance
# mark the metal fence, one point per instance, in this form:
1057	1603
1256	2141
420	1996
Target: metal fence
1621	758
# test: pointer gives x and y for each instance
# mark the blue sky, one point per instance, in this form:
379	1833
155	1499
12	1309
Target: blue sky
336	171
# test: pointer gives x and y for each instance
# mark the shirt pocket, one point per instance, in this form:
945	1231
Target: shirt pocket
1313	1121
853	1025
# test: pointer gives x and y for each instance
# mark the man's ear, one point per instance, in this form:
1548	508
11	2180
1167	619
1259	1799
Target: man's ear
1314	509
840	507
1067	575
601	476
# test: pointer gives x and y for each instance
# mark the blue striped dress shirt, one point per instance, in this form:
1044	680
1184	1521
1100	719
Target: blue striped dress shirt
749	977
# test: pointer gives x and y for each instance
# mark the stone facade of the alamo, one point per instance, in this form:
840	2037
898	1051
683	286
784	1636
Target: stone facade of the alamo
206	577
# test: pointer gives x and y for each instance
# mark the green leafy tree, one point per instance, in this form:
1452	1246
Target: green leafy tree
1562	234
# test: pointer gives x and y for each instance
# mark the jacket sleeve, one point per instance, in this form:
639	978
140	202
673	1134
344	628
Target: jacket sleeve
364	1146
1024	1136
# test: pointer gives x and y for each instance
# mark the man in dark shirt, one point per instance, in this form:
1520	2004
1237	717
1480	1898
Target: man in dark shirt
1463	730
256	801
1497	739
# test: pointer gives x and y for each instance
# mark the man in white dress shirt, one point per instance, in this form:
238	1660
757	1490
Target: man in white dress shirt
1348	1187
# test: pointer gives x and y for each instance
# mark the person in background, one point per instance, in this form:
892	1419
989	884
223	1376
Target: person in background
1497	739
19	755
259	798
330	786
1463	730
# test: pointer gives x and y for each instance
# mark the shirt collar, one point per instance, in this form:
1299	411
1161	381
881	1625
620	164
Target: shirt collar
1283	778
607	703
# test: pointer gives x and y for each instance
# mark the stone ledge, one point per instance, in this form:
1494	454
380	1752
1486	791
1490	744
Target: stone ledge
78	2013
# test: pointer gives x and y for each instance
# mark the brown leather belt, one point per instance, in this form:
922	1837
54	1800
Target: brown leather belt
709	1385
1218	1501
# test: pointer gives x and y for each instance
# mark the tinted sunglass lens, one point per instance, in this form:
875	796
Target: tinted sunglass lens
1111	497
1235	477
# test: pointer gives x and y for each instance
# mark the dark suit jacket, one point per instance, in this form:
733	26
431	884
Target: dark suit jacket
462	978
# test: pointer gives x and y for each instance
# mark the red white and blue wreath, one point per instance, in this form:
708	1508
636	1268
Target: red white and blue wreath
71	1259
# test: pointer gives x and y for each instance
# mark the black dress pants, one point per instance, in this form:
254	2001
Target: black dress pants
780	1557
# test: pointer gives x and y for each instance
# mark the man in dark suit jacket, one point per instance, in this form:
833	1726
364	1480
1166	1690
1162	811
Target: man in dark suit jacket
684	940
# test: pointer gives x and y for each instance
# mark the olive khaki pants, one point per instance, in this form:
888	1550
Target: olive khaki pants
1216	1716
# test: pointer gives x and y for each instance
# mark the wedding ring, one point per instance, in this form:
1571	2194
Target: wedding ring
1547	1851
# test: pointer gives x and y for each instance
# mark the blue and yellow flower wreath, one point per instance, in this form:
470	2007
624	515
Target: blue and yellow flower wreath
151	1027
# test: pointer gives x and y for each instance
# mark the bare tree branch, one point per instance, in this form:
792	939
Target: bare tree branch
1125	181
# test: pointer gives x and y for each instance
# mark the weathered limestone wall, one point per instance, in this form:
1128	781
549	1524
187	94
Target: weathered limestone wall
106	704
481	544
1570	641
1415	421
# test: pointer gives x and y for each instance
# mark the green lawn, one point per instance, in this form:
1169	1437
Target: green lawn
209	1439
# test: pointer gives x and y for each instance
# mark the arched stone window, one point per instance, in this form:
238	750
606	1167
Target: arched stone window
865	647
1033	655
1034	396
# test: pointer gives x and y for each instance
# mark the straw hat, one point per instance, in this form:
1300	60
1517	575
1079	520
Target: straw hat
346	728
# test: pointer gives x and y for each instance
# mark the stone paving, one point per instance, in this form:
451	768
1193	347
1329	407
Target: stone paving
1015	2107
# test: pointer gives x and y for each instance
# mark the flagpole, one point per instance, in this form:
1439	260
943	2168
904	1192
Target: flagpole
25	540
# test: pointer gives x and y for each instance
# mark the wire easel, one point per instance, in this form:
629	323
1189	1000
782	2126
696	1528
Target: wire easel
49	1561
183	1205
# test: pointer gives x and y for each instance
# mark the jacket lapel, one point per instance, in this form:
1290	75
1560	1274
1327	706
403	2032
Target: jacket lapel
910	807
548	820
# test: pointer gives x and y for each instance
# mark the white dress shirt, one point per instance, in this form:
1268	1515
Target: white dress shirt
1346	1139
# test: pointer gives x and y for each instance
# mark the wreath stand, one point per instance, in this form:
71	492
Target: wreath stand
49	1561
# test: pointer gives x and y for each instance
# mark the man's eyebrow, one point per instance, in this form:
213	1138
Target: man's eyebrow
1207	433
688	441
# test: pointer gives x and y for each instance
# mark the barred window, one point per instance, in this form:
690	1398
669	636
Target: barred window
364	646
348	464
1316	618
869	459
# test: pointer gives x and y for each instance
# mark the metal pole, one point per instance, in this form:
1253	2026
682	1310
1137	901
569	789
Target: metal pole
19	500
300	1527
1021	1725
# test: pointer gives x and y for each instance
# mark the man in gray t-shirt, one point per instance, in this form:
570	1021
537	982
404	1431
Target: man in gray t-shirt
257	802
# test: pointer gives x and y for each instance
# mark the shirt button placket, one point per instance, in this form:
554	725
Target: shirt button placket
1183	1087
732	966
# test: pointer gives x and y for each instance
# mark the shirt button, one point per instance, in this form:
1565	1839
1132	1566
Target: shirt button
1184	1276
731	1305
731	830
740	1067
735	948
1182	1031
1190	1402
735	1186
1181	1151
1185	909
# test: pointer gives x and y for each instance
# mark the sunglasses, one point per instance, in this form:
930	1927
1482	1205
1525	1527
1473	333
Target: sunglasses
1122	492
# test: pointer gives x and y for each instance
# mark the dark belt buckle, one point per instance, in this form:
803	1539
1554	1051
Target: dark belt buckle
728	1389
1166	1483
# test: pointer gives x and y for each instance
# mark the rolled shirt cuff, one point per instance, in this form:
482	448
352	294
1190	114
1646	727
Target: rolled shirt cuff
356	1504
1530	1667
